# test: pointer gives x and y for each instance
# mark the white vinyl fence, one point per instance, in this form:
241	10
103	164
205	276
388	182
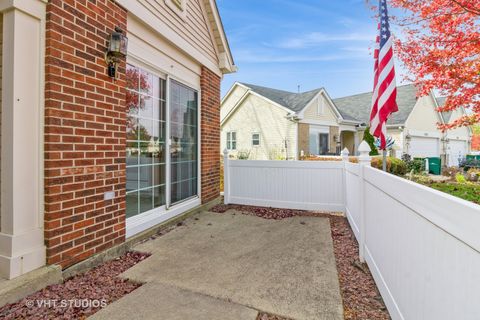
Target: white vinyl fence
421	245
314	185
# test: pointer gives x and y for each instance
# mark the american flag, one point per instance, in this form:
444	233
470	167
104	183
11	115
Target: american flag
384	99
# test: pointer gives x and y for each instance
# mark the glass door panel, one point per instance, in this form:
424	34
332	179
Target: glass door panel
184	142
146	131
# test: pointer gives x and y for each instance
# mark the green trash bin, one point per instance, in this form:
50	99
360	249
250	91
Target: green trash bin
435	165
473	157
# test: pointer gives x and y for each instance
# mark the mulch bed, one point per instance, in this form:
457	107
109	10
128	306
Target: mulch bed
79	296
361	299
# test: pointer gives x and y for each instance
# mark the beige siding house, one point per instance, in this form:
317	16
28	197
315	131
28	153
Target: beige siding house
311	123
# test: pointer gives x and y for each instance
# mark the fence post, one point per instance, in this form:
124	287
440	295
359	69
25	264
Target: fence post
226	177
345	153
345	159
365	161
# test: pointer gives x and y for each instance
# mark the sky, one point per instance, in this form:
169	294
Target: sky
284	44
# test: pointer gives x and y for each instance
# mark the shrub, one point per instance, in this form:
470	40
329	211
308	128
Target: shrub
416	165
395	166
460	178
367	136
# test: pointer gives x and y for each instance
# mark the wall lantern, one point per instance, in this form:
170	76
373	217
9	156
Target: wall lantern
116	50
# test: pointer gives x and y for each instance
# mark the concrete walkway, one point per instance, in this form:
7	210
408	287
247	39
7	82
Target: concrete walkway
230	266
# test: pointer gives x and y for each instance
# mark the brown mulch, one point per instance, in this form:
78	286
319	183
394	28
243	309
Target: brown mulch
361	299
79	296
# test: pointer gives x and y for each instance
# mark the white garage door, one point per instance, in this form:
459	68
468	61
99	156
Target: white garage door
423	147
456	149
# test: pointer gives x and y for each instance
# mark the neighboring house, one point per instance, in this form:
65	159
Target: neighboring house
266	122
87	159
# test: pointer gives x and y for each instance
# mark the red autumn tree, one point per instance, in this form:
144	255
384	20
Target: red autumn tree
440	47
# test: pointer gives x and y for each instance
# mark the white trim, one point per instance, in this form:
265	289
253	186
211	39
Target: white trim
136	9
236	84
235	107
319	123
168	173
226	62
156	216
424	134
259	139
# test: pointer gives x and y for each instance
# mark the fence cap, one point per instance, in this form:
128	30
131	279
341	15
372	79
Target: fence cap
345	152
225	152
364	147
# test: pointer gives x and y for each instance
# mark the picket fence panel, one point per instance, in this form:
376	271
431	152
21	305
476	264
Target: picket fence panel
286	184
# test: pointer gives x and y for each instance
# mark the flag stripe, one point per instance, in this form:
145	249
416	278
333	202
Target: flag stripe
384	88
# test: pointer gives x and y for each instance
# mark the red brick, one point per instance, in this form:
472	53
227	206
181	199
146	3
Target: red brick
77	95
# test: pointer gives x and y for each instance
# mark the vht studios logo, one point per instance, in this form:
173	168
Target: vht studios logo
67	303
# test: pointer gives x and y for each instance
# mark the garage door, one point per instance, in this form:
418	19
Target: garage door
423	147
456	149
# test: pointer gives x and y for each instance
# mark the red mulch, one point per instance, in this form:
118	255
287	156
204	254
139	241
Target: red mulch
79	296
361	299
269	213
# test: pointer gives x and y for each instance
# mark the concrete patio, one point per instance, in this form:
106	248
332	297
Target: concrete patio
230	266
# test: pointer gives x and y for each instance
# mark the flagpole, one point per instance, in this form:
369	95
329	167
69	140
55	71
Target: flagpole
384	162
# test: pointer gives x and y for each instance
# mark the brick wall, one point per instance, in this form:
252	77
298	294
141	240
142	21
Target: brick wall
210	130
85	122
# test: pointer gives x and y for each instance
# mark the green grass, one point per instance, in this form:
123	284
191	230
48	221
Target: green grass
469	192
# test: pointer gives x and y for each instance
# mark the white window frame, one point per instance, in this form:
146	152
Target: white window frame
256	145
148	219
229	140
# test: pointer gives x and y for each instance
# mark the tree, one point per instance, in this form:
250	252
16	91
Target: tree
367	136
440	47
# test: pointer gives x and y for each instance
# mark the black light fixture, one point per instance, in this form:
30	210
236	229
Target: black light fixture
116	50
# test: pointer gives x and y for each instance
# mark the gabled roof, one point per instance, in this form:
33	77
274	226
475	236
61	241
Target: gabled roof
358	106
292	101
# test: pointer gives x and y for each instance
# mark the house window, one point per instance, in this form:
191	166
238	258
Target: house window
255	139
231	140
145	152
146	157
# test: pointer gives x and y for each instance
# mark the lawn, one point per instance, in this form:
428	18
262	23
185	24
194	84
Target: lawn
467	191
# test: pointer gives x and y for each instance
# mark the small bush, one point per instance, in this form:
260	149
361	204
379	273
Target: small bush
460	178
416	165
395	166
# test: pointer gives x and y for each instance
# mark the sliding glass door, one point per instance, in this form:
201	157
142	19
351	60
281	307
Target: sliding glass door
146	150
184	142
146	132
